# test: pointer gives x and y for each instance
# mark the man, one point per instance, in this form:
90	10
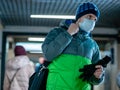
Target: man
69	48
39	64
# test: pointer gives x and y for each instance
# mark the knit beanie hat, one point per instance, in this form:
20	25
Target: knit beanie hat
19	50
87	8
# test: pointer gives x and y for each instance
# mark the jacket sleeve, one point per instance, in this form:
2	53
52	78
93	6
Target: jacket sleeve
95	81
96	54
56	41
96	58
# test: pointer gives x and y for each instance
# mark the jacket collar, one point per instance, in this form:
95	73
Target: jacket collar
83	35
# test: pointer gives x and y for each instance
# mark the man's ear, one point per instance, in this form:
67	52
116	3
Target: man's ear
77	22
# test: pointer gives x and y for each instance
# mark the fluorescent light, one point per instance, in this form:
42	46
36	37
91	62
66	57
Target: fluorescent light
35	52
54	16
36	39
31	47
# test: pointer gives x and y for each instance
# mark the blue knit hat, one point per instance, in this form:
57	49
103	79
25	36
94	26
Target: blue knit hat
87	8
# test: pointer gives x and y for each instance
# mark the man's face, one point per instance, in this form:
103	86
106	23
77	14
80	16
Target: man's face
41	60
88	16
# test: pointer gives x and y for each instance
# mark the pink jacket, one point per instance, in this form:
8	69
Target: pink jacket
20	80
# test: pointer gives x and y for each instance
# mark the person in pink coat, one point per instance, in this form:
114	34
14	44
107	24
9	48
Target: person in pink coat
18	71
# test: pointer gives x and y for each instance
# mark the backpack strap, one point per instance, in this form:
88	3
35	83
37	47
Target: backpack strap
14	76
10	81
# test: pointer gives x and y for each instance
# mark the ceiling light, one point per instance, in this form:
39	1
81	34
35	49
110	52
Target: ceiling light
31	47
36	39
53	16
35	51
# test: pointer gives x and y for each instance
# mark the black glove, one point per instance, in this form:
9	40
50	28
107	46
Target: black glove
89	70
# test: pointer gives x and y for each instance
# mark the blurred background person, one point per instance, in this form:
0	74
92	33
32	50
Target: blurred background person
39	64
118	79
18	70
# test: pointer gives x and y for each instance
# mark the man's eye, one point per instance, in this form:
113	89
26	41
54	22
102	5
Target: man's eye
89	17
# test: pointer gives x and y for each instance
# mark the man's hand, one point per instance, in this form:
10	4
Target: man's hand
94	69
73	29
99	71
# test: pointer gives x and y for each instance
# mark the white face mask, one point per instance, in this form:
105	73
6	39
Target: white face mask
87	25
